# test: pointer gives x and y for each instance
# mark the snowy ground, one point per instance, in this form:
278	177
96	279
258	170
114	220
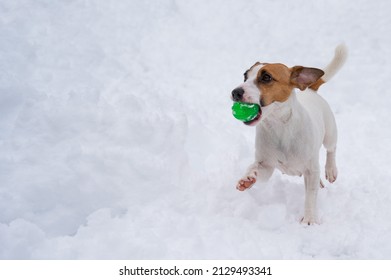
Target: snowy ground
117	140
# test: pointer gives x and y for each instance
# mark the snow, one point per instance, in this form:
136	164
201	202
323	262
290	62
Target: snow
117	139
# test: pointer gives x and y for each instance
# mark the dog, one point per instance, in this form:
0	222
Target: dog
291	126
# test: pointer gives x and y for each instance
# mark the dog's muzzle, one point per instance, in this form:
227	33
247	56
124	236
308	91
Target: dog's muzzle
237	94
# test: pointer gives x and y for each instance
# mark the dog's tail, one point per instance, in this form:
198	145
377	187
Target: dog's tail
341	53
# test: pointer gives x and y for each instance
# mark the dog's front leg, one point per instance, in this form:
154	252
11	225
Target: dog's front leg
311	180
255	171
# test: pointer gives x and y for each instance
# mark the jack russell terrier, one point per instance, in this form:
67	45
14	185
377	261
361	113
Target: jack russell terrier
290	126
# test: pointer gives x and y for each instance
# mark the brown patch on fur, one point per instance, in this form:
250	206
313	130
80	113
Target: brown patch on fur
317	84
284	80
279	88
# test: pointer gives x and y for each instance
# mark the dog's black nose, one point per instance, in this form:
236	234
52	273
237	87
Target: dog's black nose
237	94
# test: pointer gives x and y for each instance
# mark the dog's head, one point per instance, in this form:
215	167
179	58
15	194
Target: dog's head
266	83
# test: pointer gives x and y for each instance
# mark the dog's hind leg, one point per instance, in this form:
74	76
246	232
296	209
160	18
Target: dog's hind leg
256	171
311	180
330	143
331	167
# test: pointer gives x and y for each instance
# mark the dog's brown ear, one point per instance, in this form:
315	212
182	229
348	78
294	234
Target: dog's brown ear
303	77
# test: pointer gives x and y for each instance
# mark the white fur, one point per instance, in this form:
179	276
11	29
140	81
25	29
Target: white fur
341	53
289	137
249	86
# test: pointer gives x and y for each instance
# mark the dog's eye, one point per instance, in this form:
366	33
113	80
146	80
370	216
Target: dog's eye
245	76
265	78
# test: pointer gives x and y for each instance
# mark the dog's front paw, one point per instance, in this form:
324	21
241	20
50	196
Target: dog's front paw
308	221
246	183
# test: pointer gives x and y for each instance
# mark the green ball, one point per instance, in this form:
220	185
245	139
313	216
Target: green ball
245	111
